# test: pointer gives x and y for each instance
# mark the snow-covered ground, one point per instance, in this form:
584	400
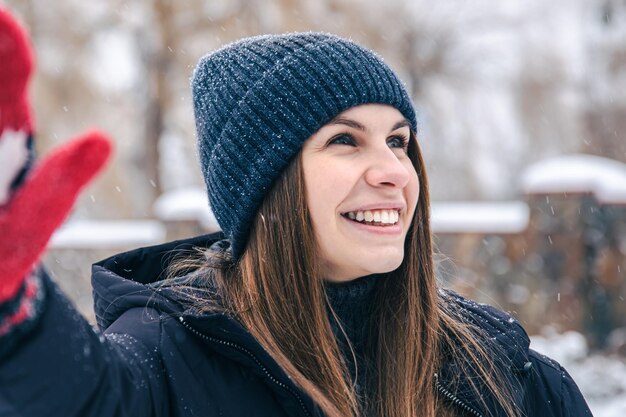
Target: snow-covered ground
602	379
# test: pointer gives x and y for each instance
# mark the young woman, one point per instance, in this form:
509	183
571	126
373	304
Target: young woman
319	297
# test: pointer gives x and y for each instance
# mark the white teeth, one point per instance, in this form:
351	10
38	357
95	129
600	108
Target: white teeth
377	216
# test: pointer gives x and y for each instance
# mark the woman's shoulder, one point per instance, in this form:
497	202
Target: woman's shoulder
494	323
548	389
549	383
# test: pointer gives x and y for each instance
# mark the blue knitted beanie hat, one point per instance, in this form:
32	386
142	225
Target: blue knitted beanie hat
258	99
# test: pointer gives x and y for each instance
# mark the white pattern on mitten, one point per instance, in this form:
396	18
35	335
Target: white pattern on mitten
13	157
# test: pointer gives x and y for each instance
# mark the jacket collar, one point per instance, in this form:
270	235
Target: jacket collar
122	281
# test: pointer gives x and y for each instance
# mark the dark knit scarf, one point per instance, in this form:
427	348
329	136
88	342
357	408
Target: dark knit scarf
352	302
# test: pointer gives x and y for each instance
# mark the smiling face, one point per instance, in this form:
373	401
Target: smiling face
361	190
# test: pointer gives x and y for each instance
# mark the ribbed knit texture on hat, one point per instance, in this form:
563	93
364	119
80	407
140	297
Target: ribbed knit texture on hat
16	65
258	99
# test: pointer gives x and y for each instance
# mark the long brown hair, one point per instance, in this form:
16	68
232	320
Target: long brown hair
412	323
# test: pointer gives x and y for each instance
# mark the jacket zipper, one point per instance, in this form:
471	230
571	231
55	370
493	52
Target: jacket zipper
251	355
455	400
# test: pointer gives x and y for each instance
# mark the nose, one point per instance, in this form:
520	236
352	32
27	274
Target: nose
387	170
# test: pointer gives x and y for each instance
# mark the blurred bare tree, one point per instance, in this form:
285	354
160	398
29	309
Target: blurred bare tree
605	112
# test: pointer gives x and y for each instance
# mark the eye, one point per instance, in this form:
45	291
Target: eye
401	142
342	139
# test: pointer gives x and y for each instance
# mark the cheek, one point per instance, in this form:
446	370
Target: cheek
413	191
319	196
322	199
416	189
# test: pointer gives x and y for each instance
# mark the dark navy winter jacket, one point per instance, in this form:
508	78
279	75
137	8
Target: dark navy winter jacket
152	358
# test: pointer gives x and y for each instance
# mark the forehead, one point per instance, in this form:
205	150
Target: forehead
371	115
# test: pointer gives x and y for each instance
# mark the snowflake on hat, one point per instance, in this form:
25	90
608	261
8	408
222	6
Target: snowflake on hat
35	198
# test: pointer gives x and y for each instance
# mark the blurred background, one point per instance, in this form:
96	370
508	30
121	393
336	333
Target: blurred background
522	114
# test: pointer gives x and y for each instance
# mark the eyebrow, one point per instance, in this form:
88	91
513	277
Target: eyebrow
356	125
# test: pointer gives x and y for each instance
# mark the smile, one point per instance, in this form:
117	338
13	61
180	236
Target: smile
374	217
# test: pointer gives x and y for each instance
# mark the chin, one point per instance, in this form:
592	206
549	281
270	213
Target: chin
390	264
361	263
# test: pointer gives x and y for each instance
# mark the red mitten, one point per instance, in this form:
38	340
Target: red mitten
32	204
41	204
17	65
